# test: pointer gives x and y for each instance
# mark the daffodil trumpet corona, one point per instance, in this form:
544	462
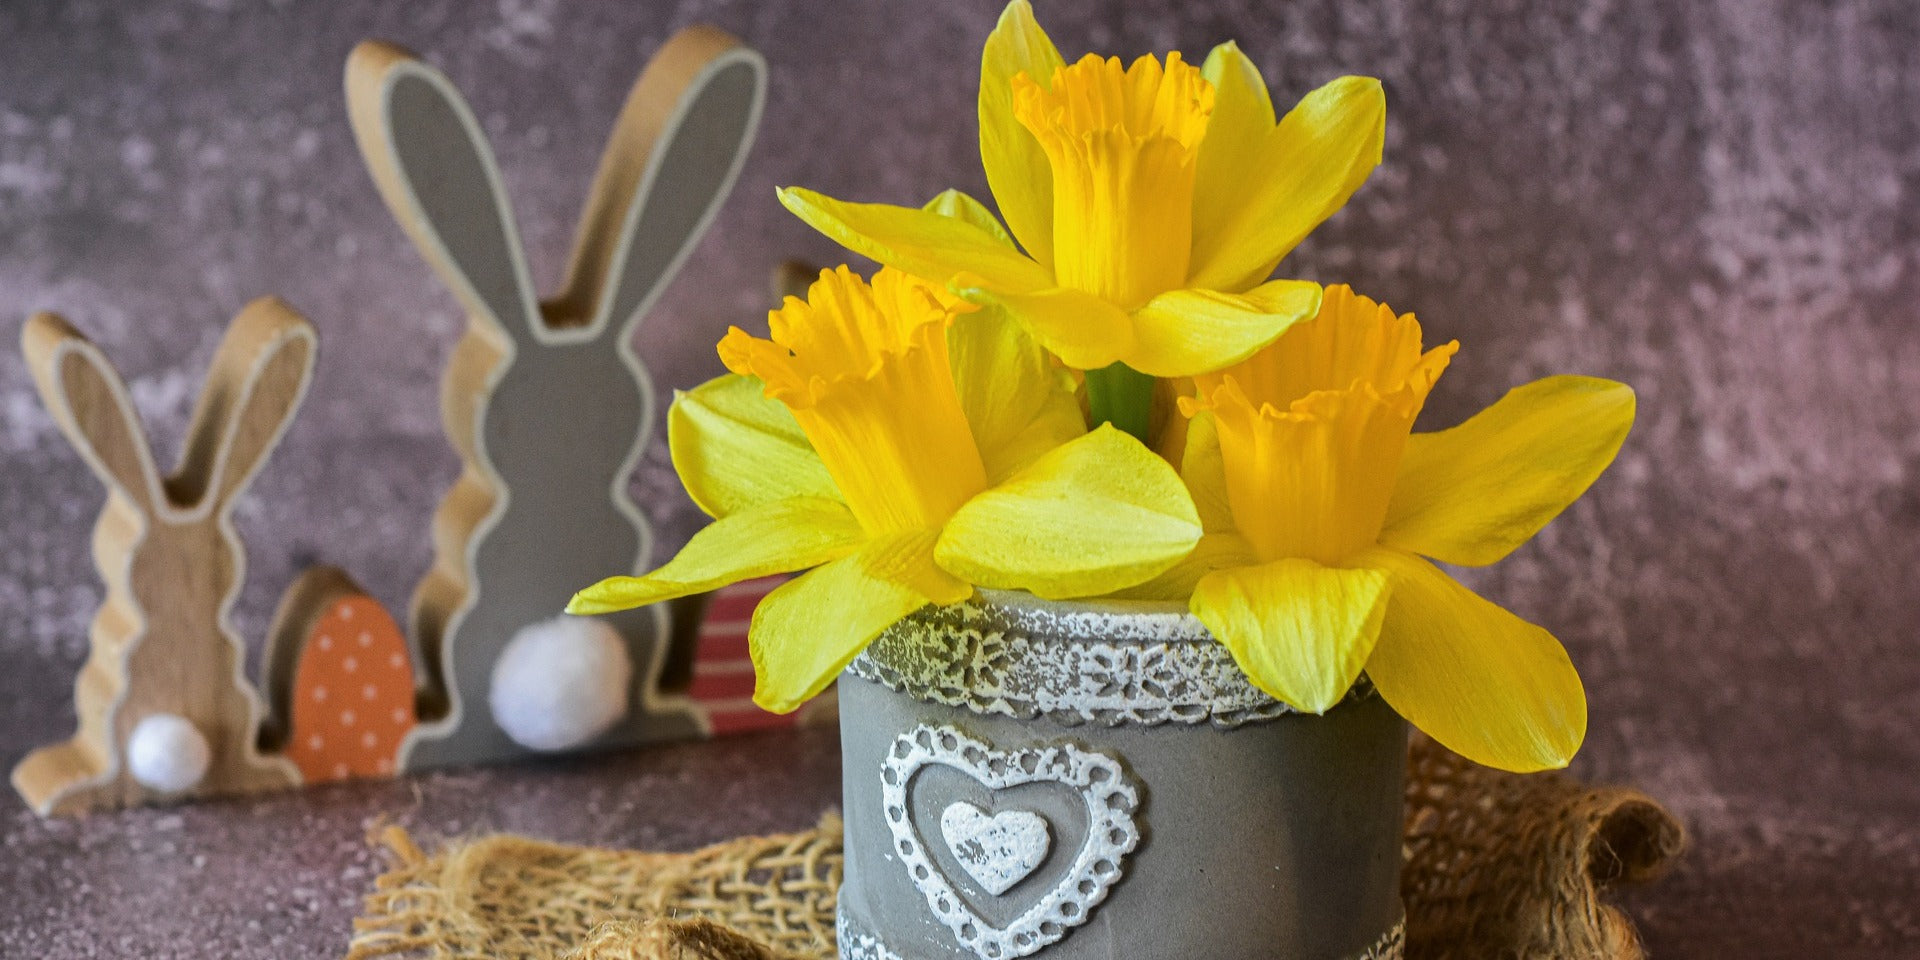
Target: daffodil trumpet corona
1322	509
902	447
1146	205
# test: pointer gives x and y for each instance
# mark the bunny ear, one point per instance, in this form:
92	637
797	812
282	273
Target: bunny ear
434	168
674	154
258	377
91	405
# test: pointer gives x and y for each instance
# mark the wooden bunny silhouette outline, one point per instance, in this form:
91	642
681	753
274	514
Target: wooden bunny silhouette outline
170	559
545	401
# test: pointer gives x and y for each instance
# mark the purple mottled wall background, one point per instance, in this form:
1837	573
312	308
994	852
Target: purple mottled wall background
1714	202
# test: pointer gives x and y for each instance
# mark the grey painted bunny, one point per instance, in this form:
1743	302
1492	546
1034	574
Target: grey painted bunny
545	400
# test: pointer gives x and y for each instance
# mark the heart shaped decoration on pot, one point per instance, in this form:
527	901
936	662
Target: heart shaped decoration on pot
999	851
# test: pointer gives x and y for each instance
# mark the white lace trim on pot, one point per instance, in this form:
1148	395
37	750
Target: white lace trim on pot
855	943
1036	659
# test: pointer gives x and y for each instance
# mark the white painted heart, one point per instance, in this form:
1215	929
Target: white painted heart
997	851
1098	780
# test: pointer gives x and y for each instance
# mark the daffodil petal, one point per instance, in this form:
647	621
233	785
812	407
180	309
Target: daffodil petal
1018	402
958	205
1299	630
807	630
1485	683
1084	331
921	242
1215	551
1017	169
1096	515
1319	154
1471	494
736	448
1230	154
1206	474
907	559
772	538
1186	332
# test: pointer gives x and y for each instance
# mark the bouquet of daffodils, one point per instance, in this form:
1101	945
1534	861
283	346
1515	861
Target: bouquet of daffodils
1101	394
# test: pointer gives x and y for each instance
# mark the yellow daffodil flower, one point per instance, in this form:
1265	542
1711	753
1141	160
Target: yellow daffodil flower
1319	509
910	448
1152	202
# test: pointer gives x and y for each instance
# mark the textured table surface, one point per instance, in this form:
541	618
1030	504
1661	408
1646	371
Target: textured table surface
1713	201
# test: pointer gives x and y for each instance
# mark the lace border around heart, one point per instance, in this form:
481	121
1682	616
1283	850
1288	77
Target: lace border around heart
1111	799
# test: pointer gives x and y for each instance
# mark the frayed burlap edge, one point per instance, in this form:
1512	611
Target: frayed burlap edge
695	939
511	898
1498	865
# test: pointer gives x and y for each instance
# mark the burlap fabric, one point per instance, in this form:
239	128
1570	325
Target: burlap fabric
1498	866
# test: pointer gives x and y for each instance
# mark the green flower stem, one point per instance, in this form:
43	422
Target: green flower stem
1122	396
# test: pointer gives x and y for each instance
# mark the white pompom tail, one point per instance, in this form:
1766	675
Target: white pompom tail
560	683
166	752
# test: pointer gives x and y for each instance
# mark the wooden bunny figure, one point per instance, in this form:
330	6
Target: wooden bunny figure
164	711
545	401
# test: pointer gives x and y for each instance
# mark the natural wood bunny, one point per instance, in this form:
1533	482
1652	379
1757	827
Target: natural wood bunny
163	709
545	401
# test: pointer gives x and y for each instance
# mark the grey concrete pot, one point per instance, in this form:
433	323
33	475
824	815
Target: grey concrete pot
1078	781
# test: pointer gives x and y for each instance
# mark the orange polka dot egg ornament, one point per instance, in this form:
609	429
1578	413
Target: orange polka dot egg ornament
352	696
